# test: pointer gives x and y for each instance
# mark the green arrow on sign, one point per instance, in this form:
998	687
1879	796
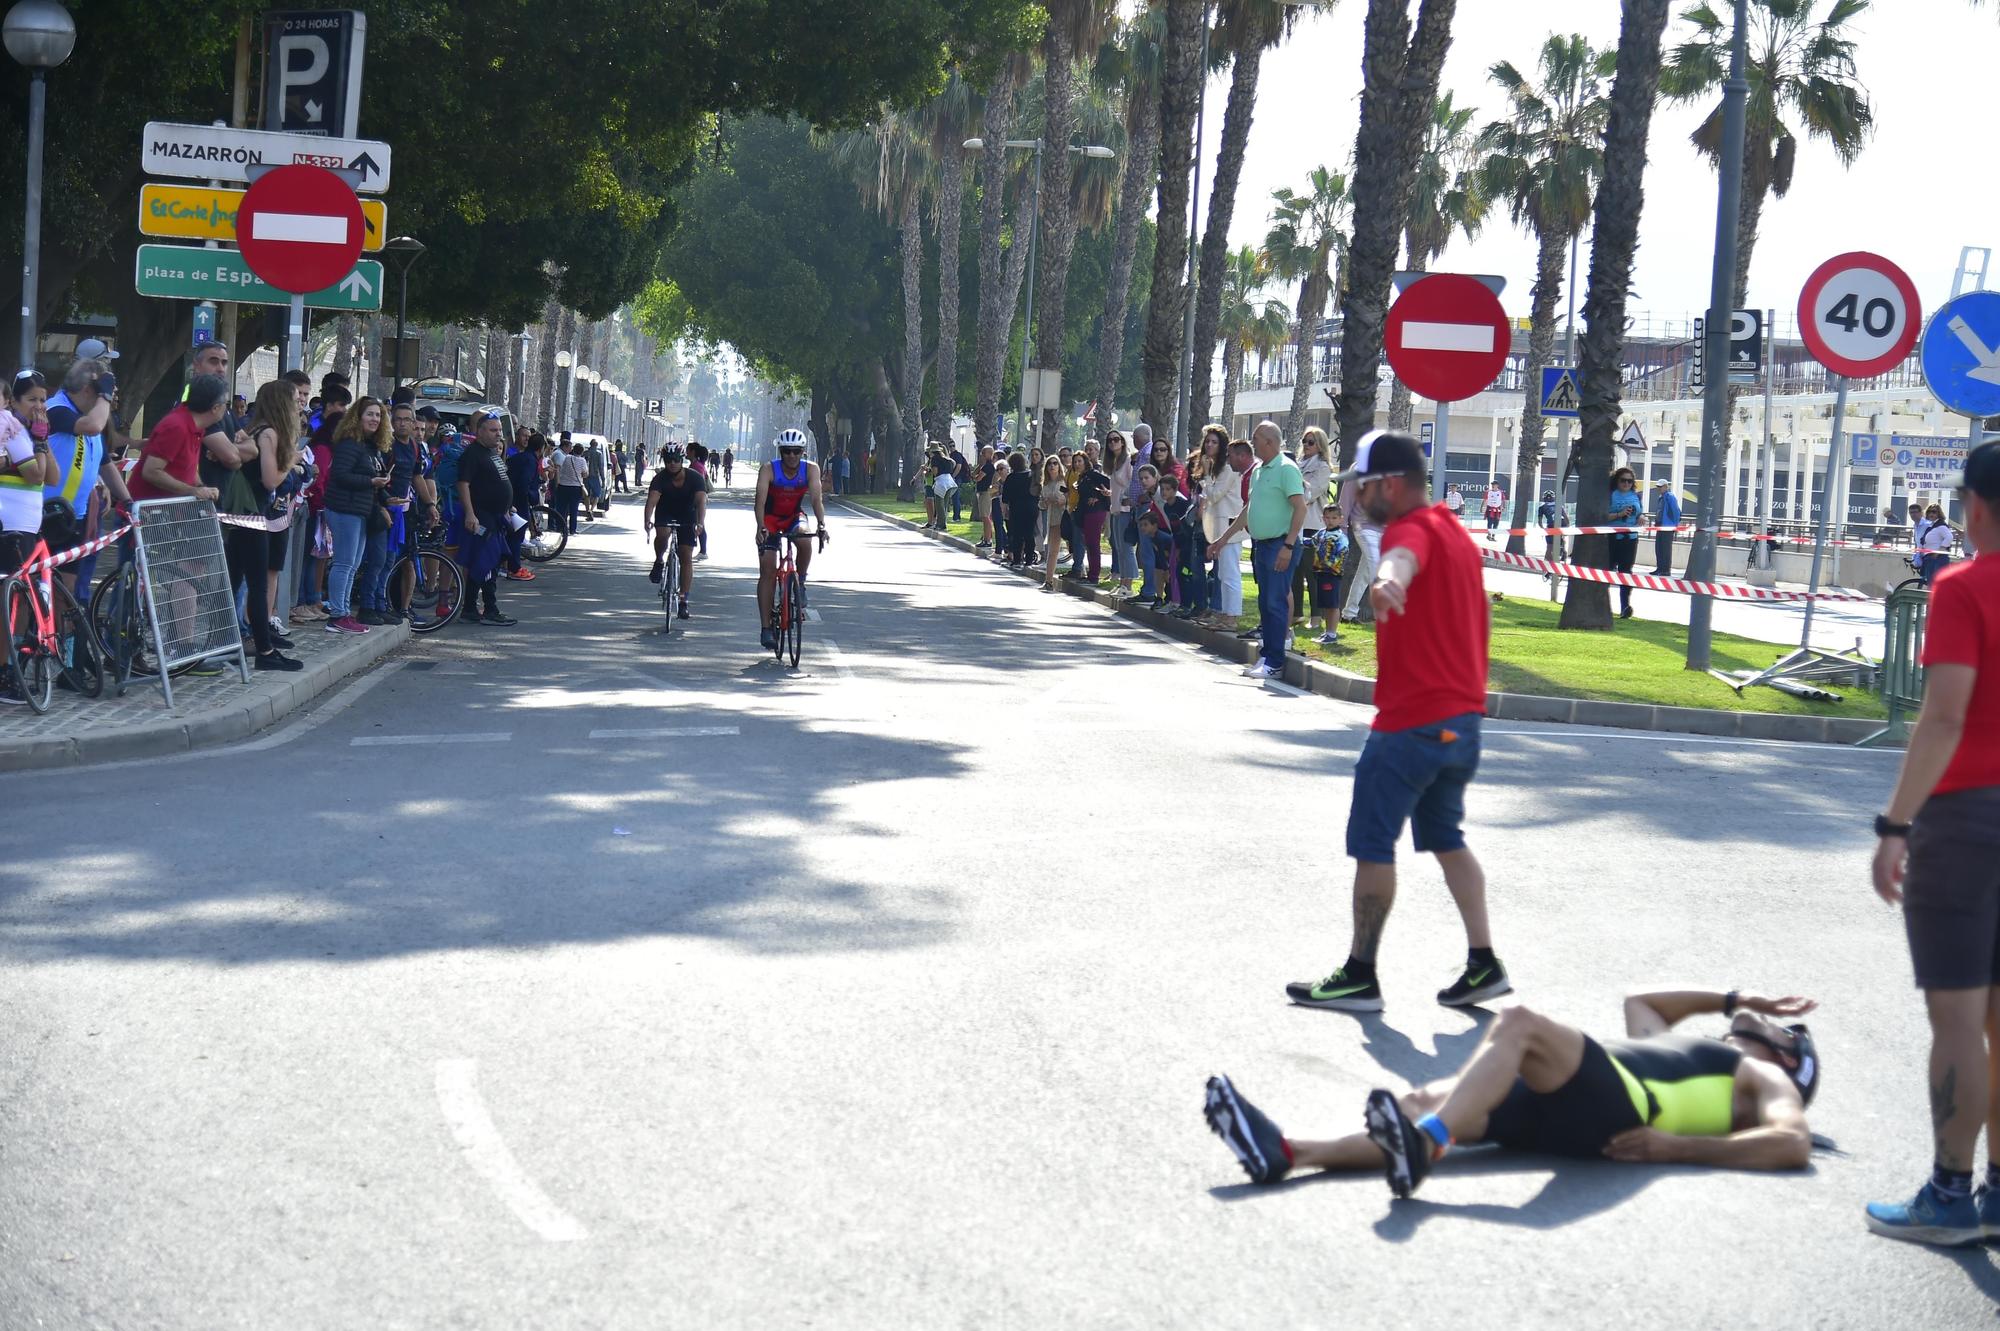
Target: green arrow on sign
182	272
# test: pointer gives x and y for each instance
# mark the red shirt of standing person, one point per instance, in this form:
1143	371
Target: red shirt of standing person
1430	694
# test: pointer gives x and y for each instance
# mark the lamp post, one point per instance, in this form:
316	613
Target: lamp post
405	251
558	411
40	35
1034	235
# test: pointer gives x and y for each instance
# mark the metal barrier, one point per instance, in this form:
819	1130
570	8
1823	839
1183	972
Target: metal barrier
1902	674
186	580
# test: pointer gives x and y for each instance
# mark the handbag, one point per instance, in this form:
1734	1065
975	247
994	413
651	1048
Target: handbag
238	499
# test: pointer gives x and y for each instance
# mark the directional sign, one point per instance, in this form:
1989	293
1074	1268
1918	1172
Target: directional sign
1559	393
312	70
1859	315
300	228
216	152
1447	337
1961	354
181	272
1426	434
190	212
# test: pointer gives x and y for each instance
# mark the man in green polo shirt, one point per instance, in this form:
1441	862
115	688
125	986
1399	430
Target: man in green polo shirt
1273	517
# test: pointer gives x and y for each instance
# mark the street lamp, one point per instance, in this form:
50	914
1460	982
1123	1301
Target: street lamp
1094	150
40	35
404	251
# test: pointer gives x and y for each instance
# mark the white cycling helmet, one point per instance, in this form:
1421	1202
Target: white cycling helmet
792	439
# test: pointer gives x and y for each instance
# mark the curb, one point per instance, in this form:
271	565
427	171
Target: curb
263	703
1332	682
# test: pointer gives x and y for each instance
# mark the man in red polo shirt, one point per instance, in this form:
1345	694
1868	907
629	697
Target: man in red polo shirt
1938	852
170	461
1431	638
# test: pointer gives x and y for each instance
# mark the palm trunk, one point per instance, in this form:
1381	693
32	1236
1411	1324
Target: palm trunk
544	411
1614	241
1215	235
913	328
1142	144
950	216
1166	310
565	401
1541	352
1232	379
1058	213
1400	77
996	307
1312	308
1400	411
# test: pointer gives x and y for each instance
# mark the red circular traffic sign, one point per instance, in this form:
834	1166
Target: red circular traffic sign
1447	337
1859	315
299	228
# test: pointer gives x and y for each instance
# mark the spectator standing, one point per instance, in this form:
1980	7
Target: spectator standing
1938	853
1054	504
1223	494
1018	492
357	476
617	466
273	437
1073	516
524	477
1551	516
1173	526
982	496
1366	540
25	468
1117	468
1326	552
1273	517
485	496
594	478
1431	642
170	460
961	472
1626	511
572	471
1210	455
1496	505
78	414
1093	509
1317	473
1933	541
1454	501
1666	516
1138	495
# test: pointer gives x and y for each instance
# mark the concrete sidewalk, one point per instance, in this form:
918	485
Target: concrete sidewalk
207	710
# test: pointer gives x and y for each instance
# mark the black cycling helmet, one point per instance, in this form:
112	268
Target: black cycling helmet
672	453
1548	496
1804	1067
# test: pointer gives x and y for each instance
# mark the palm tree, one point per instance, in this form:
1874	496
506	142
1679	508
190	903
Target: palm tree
996	295
946	121
1247	29
1245	321
1446	197
1614	241
1544	160
1308	232
1400	68
1803	83
1166	309
1132	64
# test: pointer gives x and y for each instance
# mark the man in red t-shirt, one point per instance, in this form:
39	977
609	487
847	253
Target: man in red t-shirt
1938	853
170	461
1430	692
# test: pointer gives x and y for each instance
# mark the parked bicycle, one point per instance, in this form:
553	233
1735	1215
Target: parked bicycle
426	585
547	535
48	634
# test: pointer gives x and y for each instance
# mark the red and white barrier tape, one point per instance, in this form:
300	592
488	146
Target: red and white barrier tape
1732	591
71	555
1689	531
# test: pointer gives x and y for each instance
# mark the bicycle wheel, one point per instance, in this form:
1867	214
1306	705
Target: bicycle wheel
84	663
550	541
29	664
781	615
670	588
796	640
427	587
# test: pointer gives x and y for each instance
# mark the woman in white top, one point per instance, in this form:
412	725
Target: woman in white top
1117	466
1221	501
1933	543
1317	473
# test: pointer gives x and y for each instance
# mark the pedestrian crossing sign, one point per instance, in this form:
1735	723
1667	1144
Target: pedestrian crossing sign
1559	393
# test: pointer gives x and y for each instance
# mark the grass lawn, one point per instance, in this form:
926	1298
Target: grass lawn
1637	660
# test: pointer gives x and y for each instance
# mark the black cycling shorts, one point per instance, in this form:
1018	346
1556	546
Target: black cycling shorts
689	533
1576	1119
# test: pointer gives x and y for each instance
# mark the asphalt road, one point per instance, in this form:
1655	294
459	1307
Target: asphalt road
885	995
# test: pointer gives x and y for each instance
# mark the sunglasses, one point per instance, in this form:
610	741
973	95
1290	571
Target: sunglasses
29	379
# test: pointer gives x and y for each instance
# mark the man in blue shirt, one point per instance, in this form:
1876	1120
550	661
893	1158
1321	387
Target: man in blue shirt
1666	513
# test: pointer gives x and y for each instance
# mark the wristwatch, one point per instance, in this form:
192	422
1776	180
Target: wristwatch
1883	827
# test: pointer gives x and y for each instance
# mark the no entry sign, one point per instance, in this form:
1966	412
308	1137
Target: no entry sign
300	228
1447	337
1859	315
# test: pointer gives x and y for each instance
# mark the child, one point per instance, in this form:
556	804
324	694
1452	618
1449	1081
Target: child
1170	508
1325	554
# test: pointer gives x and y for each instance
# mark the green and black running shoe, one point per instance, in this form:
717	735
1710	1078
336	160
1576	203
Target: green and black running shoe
1338	992
1479	982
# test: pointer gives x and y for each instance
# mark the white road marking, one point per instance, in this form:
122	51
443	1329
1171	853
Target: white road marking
474	737
472	1128
833	653
812	615
670	732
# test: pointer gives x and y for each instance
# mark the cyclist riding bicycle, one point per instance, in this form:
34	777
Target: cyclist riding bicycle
677	499
783	488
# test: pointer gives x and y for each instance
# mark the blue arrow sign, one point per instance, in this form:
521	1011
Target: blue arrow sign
1961	354
1559	392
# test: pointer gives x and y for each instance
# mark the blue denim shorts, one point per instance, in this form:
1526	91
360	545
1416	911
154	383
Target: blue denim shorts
1415	776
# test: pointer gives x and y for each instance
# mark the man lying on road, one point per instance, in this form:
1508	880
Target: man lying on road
1534	1084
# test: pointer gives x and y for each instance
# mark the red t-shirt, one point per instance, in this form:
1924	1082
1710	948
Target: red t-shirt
1431	660
1964	629
177	439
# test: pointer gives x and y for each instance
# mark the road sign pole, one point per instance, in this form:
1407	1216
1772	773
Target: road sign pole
295	335
1761	553
1439	447
1832	487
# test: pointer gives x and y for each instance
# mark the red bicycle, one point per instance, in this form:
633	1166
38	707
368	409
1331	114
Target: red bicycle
48	634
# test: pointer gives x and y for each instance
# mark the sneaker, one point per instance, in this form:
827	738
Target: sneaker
1408	1148
1258	1145
769	638
983	545
279	661
372	618
349	624
1626	613
1928	1218
1338	993
278	626
1327	639
1350	618
337	626
657	572
1987	1200
683	612
1262	670
1249	635
521	575
495	617
1476	985
281	641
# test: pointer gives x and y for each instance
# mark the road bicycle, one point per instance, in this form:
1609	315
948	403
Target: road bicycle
48	634
670	579
788	614
426	585
547	535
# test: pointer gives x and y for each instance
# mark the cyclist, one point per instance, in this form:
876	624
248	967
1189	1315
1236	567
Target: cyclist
783	487
677	498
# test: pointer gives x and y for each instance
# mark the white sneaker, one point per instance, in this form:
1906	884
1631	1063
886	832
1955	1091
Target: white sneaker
1261	670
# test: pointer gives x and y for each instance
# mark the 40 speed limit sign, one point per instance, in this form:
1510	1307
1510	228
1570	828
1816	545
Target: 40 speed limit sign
1859	315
